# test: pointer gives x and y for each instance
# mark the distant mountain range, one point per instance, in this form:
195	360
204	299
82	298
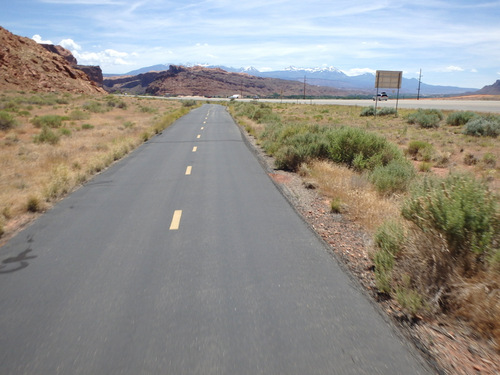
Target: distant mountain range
329	77
216	82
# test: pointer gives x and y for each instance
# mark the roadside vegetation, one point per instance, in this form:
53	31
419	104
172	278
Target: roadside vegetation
424	183
52	143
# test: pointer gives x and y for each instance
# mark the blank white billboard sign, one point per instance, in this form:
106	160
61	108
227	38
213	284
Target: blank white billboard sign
388	79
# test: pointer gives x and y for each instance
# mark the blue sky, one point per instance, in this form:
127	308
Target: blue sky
454	42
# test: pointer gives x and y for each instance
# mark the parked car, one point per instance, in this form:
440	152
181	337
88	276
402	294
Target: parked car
381	96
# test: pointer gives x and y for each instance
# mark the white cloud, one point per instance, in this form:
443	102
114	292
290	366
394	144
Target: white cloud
452	68
106	58
37	38
70	44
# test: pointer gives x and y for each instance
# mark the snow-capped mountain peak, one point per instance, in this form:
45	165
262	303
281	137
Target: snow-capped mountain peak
324	69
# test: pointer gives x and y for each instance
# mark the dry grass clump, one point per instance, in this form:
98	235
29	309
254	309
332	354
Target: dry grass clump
444	288
60	141
361	202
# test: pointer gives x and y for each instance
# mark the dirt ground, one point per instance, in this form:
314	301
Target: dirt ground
449	346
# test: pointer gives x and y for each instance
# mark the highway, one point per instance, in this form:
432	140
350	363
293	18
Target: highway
184	258
484	106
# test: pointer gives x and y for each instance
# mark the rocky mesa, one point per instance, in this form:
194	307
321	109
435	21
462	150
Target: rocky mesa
214	82
27	65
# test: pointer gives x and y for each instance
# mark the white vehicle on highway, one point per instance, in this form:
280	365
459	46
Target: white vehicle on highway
381	96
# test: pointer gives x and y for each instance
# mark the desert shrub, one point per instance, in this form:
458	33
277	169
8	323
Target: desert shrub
33	204
95	107
293	144
463	211
46	136
395	177
490	160
258	112
146	109
9	106
420	150
385	111
426	118
360	149
336	206
409	299
65	131
59	184
189	103
425	167
459	118
7	121
50	121
368	111
487	126
388	239
78	114
87	126
470	159
113	101
301	147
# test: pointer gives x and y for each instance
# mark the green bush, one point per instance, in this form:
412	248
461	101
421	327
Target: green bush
87	126
488	126
385	111
296	143
7	121
360	149
145	109
46	136
65	131
96	107
368	111
189	103
395	177
389	239
460	209
113	101
426	118
420	150
459	118
78	114
51	121
258	112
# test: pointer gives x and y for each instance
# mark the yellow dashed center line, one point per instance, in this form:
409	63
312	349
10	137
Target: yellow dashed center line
188	170
195	149
198	136
176	219
202	128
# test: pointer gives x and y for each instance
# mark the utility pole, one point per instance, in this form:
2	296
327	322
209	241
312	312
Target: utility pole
419	80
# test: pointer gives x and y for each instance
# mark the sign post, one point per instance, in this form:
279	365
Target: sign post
388	79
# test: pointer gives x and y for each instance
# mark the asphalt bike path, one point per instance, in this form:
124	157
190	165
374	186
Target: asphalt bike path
184	258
